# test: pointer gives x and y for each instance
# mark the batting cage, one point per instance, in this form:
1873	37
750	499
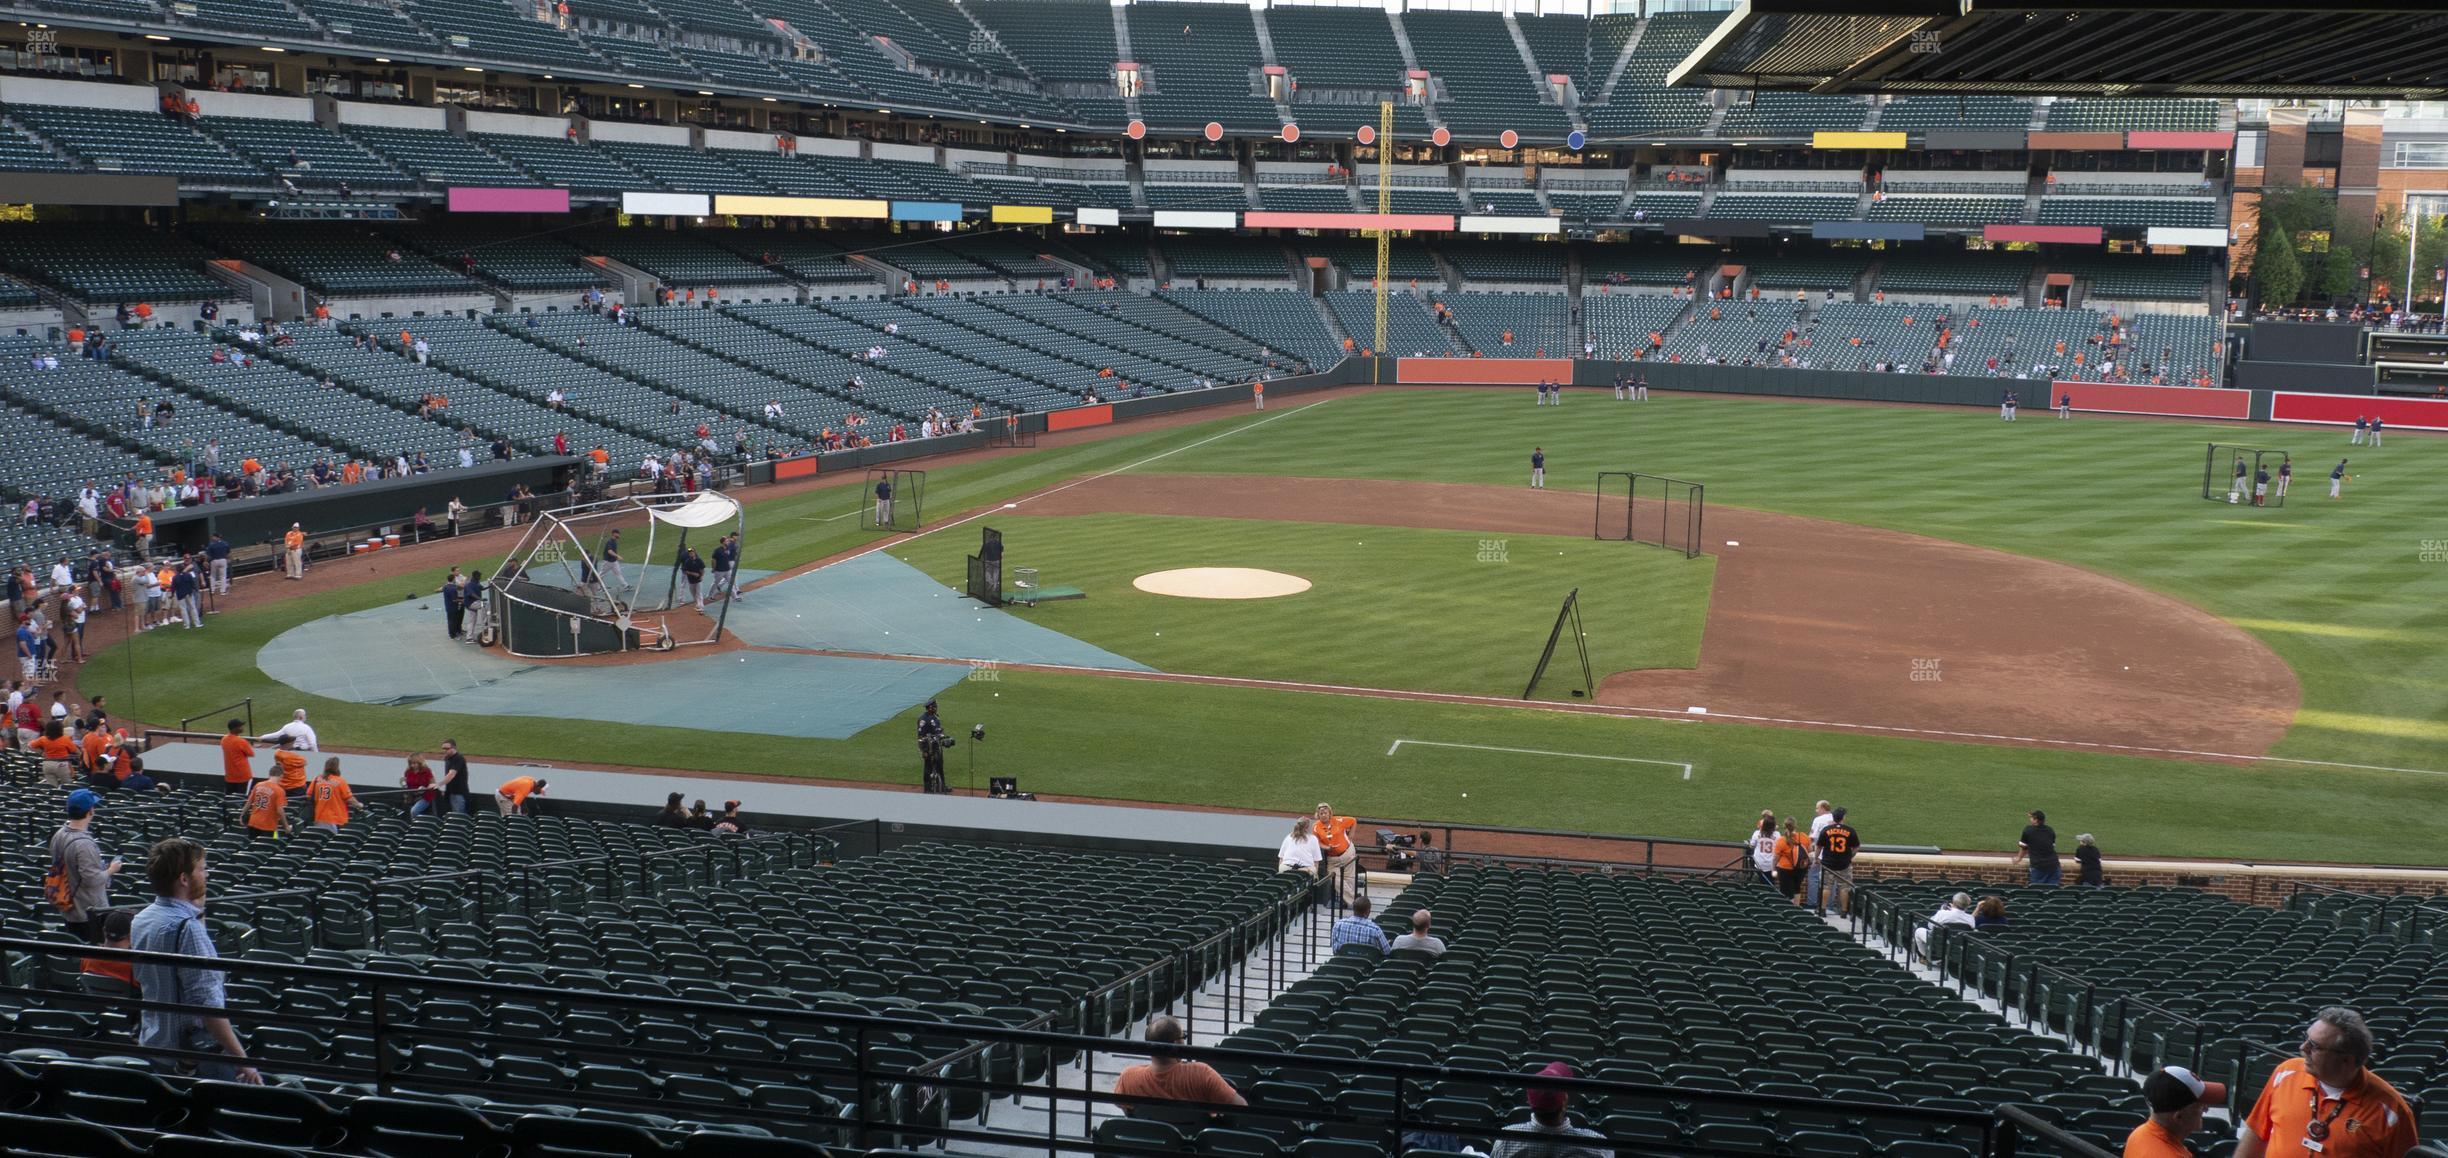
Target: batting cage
1009	431
2244	475
892	500
562	591
1568	620
1649	508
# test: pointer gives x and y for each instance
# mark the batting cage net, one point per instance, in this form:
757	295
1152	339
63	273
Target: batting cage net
1649	508
893	500
1567	625
1009	431
2245	475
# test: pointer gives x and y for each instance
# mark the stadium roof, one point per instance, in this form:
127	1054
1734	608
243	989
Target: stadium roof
2215	48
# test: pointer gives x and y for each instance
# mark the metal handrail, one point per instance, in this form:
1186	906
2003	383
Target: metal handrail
928	1077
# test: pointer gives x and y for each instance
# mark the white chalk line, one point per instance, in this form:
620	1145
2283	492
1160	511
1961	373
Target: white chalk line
1653	715
890	543
1398	744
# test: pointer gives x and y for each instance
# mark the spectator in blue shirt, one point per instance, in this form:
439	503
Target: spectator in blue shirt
174	923
1357	929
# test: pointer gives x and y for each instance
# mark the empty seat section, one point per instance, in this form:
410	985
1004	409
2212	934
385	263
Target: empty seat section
1807	269
498	32
1640	102
514	256
1345	61
679	259
1782	207
570	164
1620	324
1968	273
1483	89
1978	112
839	386
684	168
106	267
2182	277
1410	328
436	156
306	153
1587	200
1791	115
1191	257
116	140
336	259
1277	321
1498	261
1538	325
2152	115
1202	62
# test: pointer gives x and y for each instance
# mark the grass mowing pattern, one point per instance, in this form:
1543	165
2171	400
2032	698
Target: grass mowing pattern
2332	569
2340	590
1447	611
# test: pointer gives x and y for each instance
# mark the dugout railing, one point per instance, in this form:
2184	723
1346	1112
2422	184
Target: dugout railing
878	1082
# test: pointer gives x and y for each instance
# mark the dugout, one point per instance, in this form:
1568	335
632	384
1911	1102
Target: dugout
330	510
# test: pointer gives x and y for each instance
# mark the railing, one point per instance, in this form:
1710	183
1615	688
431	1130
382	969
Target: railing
2124	1032
1704	857
900	1089
2421	926
248	704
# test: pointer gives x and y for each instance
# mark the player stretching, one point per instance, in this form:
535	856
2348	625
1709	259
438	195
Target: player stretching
2337	479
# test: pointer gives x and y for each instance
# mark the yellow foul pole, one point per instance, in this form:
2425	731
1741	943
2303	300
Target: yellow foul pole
1385	206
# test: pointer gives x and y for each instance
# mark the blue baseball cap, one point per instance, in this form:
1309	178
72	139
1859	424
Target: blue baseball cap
82	802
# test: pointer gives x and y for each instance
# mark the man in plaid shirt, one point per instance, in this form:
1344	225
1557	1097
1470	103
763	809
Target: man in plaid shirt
1357	929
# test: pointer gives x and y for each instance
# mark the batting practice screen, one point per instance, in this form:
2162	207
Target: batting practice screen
1648	508
2233	474
892	500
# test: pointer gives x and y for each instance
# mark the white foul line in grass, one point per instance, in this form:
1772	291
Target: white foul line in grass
1687	769
1629	711
1082	481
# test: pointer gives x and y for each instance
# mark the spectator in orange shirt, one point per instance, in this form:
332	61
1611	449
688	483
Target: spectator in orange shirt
1163	1076
2326	1101
267	808
331	799
2176	1099
512	795
237	759
58	754
1334	841
144	536
93	747
115	927
289	765
293	551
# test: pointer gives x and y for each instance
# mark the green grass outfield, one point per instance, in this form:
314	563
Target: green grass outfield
2342	591
1388	607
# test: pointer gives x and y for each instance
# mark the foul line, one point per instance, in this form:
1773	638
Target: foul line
1000	507
1687	768
1617	711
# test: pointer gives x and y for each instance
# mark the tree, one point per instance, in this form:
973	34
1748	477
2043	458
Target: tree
2277	269
2350	246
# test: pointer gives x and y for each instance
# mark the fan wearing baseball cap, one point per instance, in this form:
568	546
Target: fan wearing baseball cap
2177	1099
2325	1102
1551	1133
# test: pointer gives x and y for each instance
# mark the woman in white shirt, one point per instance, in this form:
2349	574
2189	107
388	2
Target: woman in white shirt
1300	850
1763	847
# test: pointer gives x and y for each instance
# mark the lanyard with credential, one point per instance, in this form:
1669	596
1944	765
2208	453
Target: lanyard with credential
2316	1127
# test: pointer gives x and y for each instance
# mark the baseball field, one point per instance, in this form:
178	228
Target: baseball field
1932	616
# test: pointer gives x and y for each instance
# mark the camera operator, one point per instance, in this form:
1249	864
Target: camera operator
932	740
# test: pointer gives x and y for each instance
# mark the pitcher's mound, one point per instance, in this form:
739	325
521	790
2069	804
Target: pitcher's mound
1221	583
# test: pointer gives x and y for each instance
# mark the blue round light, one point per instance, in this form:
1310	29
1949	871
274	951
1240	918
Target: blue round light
1575	139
